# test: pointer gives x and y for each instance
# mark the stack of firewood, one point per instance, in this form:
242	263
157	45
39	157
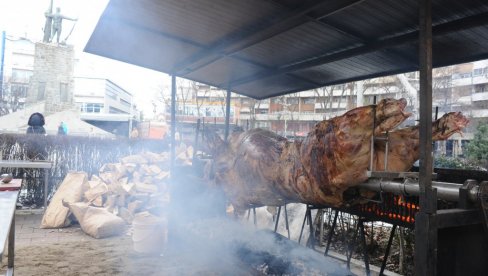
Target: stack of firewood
137	183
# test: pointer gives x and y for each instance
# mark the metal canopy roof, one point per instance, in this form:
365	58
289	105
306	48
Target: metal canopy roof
265	48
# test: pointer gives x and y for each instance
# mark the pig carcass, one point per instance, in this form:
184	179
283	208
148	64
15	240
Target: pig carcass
258	167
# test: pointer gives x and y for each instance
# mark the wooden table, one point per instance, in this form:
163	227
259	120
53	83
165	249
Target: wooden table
26	164
8	202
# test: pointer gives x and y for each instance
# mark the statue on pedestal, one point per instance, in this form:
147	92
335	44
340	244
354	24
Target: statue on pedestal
54	24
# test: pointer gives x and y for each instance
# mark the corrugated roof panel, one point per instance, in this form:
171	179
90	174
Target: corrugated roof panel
134	46
448	10
269	48
273	86
223	70
378	18
350	68
205	21
306	41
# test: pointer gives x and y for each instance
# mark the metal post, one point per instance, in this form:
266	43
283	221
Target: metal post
46	187
286	222
11	247
303	226
254	216
371	164
277	219
387	251
311	237
365	250
173	122
425	226
2	60
227	114
331	233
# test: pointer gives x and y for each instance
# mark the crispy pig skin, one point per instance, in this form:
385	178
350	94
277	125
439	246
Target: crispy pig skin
259	167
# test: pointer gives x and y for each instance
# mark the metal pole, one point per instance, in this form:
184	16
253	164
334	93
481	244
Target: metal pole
445	190
331	233
173	122
425	52
425	258
387	251
286	222
2	60
227	114
277	219
365	249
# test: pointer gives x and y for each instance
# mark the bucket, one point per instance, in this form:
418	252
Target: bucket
150	233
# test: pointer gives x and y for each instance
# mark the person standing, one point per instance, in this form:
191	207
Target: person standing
36	124
61	129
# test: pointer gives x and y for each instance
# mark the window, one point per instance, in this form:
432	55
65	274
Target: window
91	107
114	110
111	94
124	102
480	88
63	92
19	90
20	75
262	111
478	72
41	89
309	100
292	100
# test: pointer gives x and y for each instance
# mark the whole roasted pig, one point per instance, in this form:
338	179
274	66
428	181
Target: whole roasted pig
258	167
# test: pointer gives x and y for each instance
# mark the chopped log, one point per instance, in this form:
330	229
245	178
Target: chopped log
146	188
96	190
136	159
135	206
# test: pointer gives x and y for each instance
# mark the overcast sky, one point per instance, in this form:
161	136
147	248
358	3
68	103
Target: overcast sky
25	18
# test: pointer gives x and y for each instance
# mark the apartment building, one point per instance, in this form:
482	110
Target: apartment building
462	87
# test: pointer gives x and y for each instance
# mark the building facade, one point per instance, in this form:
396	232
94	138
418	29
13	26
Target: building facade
462	87
105	104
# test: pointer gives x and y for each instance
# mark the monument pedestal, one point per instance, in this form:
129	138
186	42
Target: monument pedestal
52	79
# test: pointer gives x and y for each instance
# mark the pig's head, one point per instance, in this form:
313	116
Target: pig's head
447	125
390	113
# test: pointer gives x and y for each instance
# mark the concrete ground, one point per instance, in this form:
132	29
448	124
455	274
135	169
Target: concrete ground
28	231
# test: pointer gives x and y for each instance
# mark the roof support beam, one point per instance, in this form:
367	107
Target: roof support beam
259	32
455	25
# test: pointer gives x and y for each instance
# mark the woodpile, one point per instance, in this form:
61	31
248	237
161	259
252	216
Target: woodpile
138	183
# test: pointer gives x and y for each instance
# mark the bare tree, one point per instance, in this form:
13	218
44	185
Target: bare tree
200	96
185	91
10	96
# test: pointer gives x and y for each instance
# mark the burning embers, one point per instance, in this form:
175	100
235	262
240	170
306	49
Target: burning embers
394	208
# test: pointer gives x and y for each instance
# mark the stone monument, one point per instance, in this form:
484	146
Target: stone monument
52	80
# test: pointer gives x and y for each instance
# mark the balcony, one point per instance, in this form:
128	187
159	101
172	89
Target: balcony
476	97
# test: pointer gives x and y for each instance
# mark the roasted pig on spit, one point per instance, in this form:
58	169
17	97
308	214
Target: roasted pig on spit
258	167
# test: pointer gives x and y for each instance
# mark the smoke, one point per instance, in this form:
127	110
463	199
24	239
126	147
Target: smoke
209	240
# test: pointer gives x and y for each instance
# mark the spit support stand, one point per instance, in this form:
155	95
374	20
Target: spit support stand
483	199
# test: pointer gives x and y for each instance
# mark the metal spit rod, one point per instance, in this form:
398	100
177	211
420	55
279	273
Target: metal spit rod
445	190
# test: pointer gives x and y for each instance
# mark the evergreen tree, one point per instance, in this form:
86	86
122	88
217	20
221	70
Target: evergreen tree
478	147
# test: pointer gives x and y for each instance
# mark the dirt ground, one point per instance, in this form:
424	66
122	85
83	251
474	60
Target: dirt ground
111	256
69	251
